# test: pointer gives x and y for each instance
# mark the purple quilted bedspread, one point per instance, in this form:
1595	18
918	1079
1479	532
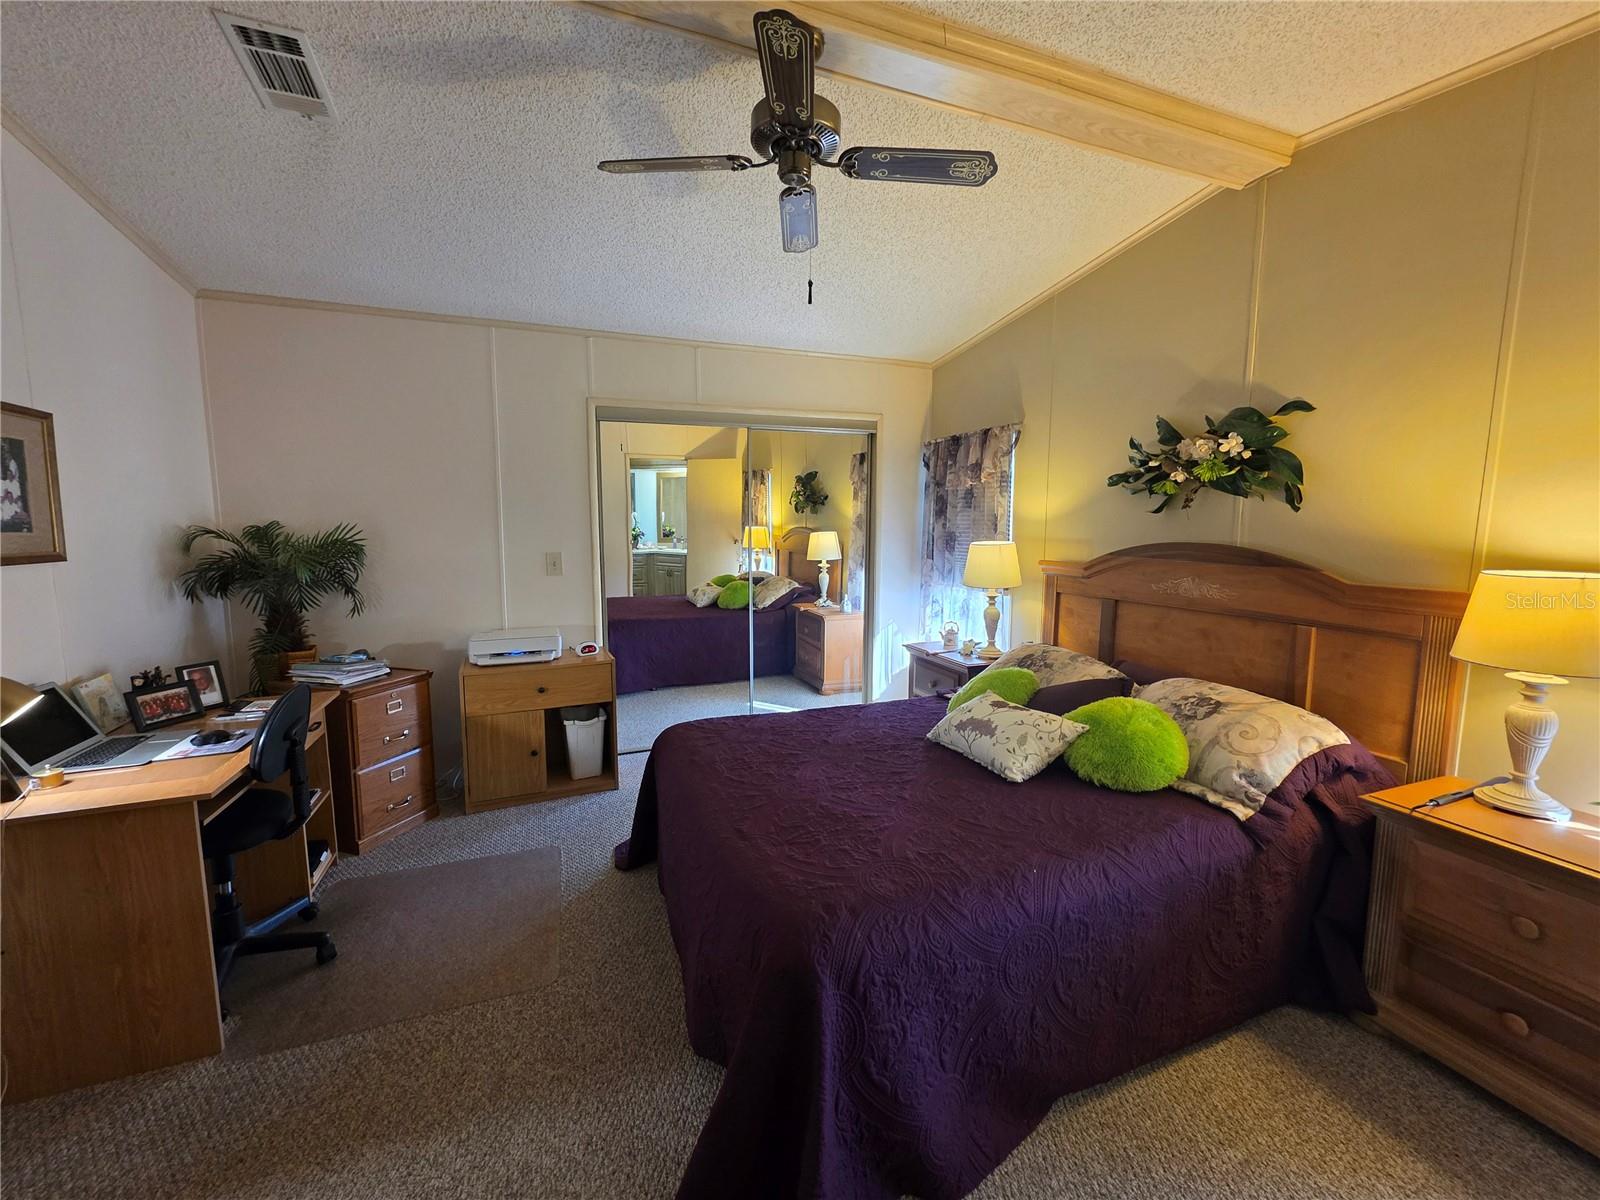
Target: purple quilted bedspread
664	641
902	960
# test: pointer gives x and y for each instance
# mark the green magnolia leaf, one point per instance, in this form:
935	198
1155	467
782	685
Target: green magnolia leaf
1167	433
1294	406
1158	508
1286	464
1244	415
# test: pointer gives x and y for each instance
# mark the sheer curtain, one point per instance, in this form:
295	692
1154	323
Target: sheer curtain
966	498
758	490
855	569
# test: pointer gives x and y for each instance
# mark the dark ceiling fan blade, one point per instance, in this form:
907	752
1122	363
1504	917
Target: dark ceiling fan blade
797	211
703	162
961	168
787	48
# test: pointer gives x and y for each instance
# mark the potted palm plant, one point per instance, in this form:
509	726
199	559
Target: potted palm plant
281	576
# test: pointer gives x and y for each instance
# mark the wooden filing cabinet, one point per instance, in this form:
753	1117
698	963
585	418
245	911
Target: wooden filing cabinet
827	648
381	734
513	742
935	671
1483	948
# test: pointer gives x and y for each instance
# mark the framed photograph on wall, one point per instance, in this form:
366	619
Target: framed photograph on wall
207	680
164	704
30	489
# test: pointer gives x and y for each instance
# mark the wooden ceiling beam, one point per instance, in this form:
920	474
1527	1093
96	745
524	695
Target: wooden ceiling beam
905	51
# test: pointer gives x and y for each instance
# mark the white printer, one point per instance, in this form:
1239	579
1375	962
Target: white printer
498	646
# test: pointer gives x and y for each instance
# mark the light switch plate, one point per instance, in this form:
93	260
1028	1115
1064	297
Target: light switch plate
552	562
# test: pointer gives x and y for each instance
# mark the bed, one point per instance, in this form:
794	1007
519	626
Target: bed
665	641
902	960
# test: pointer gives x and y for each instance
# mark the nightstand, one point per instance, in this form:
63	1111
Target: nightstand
827	648
935	671
1483	948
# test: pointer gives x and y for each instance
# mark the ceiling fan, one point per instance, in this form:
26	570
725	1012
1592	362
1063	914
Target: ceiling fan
796	129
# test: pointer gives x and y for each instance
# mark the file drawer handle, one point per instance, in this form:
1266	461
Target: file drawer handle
394	706
397	773
314	726
396	737
1515	1025
1526	928
399	804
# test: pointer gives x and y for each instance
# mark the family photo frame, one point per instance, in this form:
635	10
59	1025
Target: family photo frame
30	488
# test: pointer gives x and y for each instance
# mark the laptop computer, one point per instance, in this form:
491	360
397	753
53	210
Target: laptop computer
56	732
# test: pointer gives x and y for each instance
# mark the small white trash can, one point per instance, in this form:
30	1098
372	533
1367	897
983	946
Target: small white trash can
585	726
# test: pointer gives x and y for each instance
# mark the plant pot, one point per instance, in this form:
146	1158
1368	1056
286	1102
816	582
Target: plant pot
274	668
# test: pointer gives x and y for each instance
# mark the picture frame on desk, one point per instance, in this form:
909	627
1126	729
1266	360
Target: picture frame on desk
164	704
207	680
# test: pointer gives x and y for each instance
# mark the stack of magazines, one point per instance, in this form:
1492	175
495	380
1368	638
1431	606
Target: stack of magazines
339	670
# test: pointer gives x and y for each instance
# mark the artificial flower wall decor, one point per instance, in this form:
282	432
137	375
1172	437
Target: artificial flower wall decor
1239	455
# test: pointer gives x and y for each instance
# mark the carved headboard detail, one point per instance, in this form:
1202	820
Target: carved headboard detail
1373	660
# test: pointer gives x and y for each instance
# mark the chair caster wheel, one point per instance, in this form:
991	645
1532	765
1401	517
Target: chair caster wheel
326	953
310	912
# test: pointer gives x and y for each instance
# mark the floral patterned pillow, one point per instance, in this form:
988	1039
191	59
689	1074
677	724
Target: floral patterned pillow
1055	664
1015	743
772	589
705	595
1241	745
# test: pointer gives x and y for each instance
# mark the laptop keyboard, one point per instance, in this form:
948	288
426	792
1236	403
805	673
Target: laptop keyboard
104	752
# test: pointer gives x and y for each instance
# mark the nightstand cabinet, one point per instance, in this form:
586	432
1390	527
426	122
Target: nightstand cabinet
513	742
380	738
827	648
1483	948
936	671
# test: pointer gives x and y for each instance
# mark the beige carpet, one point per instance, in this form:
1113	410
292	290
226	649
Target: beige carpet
587	1090
413	942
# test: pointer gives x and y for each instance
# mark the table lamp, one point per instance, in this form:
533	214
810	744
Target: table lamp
15	699
1544	626
757	540
822	549
993	567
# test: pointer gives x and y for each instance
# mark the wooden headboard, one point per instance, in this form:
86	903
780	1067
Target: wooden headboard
1374	660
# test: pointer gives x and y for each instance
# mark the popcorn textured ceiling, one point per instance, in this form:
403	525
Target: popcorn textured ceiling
459	175
1295	66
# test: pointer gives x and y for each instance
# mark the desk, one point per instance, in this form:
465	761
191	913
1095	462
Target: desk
107	965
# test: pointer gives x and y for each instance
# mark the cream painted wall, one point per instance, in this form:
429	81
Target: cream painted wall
98	335
462	448
1431	281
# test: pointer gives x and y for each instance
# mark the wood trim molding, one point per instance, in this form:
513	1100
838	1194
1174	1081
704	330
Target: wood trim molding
14	126
972	72
1373	659
1582	27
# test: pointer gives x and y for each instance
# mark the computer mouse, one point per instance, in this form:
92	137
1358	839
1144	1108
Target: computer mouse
211	737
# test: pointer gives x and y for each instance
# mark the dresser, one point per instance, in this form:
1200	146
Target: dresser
827	648
380	740
660	573
513	742
1483	948
935	671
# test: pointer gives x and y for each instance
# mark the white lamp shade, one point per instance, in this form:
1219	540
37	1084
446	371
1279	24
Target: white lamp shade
992	565
823	546
1542	622
757	537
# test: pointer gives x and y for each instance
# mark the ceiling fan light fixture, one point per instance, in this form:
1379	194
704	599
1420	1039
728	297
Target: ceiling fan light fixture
797	211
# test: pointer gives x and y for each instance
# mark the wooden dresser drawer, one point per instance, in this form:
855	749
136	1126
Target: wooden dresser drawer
390	792
1549	1038
390	722
551	686
1547	934
932	679
808	629
808	661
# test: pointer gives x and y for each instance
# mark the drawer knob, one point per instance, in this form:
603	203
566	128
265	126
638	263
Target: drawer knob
399	804
1526	928
397	737
314	726
1514	1025
533	754
541	689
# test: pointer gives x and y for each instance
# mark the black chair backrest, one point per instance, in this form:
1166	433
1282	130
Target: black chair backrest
280	746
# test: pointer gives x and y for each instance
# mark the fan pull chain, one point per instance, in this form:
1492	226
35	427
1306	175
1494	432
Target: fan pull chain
808	276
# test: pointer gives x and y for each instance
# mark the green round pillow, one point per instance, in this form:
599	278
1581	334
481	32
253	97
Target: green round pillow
1016	684
722	580
735	595
1130	746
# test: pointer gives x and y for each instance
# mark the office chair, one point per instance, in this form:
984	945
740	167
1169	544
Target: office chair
260	815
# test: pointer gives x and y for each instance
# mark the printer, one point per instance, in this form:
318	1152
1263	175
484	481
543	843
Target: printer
499	646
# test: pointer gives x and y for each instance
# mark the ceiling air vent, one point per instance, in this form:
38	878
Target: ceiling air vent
280	64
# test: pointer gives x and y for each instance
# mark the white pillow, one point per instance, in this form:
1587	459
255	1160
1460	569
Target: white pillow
705	595
1241	745
772	589
1015	743
1055	664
